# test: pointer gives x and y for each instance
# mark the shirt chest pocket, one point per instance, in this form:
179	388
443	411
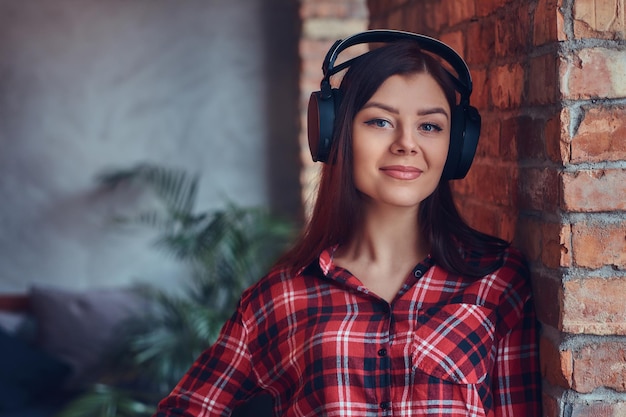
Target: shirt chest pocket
455	343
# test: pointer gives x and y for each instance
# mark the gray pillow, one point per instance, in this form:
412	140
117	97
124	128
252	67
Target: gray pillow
78	326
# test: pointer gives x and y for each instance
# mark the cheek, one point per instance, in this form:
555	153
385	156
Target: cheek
436	156
358	170
362	167
362	154
443	151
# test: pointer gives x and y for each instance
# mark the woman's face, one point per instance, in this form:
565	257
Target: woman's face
400	141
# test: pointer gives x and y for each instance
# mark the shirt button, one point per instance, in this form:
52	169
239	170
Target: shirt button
418	273
385	405
382	352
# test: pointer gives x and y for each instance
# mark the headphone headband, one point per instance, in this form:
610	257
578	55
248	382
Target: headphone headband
463	79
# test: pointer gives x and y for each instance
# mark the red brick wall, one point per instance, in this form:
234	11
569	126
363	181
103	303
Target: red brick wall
550	171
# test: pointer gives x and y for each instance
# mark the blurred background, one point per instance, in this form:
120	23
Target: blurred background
152	166
87	86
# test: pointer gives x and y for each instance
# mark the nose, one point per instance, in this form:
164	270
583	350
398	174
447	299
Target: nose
405	143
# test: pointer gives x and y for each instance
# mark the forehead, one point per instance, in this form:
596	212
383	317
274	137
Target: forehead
415	90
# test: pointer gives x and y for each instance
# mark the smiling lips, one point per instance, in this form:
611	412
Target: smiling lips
401	172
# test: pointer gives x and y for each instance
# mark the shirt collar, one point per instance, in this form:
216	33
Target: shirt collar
326	263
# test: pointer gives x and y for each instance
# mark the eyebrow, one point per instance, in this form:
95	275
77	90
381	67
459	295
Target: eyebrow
422	112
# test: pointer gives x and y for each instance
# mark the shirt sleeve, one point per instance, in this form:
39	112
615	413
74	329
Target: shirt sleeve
219	380
516	379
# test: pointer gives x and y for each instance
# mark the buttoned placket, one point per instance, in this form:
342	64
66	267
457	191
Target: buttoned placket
384	390
384	362
386	404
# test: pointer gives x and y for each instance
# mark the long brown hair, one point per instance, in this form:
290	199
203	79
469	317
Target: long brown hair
338	212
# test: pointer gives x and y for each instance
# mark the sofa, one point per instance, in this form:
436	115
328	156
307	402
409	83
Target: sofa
52	342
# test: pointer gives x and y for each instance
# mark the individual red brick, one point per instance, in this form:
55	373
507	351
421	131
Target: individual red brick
607	408
459	11
600	365
597	243
435	15
478	215
481	42
480	94
545	27
417	18
547	295
408	16
544	75
374	7
488	7
601	136
555	245
481	216
481	48
396	19
563	140
526	237
553	134
594	73
594	190
595	306
329	8
479	219
556	364
512	31
599	19
502	182
561	32
539	189
489	143
523	136
465	187
507	86
567	253
513	137
506	223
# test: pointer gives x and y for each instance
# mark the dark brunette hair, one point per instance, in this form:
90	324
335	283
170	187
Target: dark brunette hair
338	213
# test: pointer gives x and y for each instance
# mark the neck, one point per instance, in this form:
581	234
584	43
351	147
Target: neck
390	237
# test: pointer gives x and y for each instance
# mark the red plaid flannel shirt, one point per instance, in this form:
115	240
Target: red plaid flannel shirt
322	345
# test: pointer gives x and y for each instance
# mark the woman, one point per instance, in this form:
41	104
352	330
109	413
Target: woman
389	304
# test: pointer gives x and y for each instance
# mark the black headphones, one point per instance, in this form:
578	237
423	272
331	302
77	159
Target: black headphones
465	123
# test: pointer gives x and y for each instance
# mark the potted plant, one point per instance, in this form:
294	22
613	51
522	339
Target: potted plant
226	249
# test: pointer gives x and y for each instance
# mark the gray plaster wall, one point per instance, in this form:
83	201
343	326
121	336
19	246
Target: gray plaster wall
209	86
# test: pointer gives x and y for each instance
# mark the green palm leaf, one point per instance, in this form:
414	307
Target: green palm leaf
105	401
227	249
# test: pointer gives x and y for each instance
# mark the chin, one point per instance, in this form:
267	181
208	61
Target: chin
408	203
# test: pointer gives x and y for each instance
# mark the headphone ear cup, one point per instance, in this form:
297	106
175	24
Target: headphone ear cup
320	123
470	141
464	134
